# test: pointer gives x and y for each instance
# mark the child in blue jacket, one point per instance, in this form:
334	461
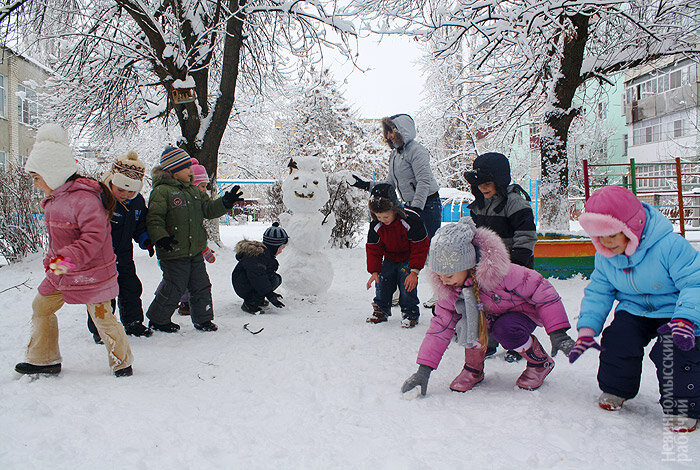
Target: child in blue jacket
654	275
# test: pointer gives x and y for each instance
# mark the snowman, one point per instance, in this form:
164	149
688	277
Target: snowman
304	266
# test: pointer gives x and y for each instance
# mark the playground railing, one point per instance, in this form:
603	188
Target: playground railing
671	187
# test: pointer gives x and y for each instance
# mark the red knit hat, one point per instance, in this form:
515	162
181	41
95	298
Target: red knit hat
611	210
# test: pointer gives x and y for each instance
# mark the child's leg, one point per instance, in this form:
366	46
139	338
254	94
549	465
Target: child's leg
407	300
513	330
185	297
623	343
43	345
176	273
130	290
199	288
678	373
385	286
112	334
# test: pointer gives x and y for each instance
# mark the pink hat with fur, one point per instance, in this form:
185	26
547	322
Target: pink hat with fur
611	210
199	173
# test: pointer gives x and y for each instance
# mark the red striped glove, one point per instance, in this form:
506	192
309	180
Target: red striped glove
683	332
60	265
582	343
208	254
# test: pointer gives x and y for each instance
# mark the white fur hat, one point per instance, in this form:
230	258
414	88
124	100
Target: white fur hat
127	172
52	157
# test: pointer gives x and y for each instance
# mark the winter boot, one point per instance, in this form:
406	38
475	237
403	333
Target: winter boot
430	303
169	327
409	322
681	423
27	368
539	365
96	338
184	308
491	347
377	315
473	371
250	308
206	326
511	356
610	402
125	372
138	329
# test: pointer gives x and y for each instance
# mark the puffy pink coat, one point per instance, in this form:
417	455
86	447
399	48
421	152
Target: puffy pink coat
503	287
79	229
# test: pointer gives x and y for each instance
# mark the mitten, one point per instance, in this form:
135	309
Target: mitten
582	343
166	243
151	249
208	254
274	299
419	378
360	183
232	196
561	342
60	265
683	332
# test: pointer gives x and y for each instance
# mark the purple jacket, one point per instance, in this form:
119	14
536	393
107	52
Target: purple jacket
503	287
78	228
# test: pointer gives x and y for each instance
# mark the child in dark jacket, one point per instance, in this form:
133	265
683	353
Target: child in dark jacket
654	275
397	246
128	224
255	276
505	209
176	210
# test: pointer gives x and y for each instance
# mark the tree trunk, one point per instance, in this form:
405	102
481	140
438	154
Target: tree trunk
554	212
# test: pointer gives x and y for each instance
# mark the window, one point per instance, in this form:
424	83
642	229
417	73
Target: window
678	128
27	105
3	96
3	161
625	144
675	79
602	110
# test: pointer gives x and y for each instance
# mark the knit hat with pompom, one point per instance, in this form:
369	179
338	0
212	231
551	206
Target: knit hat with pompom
127	172
52	157
199	173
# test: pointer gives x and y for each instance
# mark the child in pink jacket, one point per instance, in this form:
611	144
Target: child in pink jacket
481	292
80	262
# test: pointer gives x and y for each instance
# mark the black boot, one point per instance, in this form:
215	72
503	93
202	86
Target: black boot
27	368
96	338
250	308
138	329
125	372
169	327
206	326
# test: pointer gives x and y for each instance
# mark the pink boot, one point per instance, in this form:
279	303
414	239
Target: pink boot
539	365
473	371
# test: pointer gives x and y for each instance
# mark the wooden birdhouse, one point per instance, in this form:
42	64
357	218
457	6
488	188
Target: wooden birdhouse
183	95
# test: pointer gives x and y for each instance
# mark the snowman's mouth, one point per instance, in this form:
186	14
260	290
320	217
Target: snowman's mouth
304	196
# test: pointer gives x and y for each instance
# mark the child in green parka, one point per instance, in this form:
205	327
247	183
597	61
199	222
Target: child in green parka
176	210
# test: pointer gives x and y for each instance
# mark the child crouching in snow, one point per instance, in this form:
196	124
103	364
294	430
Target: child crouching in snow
255	276
397	245
480	291
80	263
654	274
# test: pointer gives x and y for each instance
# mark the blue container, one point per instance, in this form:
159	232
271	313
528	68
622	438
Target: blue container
453	210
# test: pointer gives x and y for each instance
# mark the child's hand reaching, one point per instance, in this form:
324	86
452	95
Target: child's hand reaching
419	378
683	332
585	340
60	265
411	281
373	278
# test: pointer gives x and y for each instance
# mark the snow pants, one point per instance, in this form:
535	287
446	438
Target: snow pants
394	275
620	370
43	347
129	298
512	329
179	275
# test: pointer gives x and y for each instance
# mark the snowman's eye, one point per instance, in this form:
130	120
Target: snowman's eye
296	178
316	182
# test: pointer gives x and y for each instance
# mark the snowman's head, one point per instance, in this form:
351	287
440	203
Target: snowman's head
305	189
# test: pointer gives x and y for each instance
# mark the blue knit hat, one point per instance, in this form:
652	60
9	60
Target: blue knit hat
275	235
174	159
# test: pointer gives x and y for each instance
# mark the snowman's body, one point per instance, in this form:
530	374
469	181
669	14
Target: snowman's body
305	268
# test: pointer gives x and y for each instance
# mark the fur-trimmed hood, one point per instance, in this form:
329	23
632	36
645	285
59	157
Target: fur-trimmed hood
493	263
249	248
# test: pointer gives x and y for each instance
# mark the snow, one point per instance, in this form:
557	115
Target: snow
317	388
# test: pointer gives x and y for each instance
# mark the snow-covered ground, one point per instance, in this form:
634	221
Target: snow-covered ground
317	388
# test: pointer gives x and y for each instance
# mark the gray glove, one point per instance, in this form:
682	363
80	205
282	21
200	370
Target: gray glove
561	342
419	378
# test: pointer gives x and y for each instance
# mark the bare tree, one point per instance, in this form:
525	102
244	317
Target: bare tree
530	57
120	62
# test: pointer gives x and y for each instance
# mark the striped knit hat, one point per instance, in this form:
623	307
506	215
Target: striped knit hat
127	172
199	173
275	235
174	159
